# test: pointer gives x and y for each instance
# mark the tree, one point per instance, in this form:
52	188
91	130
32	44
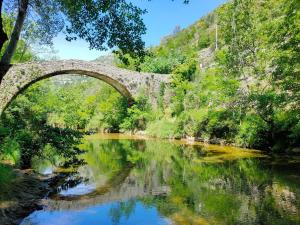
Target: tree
103	24
286	64
24	50
3	35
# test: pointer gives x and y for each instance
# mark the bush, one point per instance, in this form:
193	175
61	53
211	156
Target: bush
10	151
186	70
286	129
252	132
163	128
137	115
204	40
193	121
221	124
6	176
295	134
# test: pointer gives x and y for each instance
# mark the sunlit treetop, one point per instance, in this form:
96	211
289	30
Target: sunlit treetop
103	24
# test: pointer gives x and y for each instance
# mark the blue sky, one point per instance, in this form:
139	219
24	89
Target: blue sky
161	19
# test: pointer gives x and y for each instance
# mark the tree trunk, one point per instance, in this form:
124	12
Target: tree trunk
3	35
12	45
3	71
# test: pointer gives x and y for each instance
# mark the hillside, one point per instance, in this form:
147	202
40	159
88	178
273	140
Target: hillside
245	92
178	47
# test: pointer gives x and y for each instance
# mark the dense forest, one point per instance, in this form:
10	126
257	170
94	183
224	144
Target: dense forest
235	80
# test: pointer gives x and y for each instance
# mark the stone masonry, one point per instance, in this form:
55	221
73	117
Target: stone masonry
129	83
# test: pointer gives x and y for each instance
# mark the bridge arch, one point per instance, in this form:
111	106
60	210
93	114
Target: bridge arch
128	83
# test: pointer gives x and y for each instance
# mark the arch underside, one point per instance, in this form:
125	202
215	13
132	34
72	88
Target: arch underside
114	83
128	83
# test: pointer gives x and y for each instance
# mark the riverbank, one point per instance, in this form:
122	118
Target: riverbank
23	194
215	141
186	140
224	152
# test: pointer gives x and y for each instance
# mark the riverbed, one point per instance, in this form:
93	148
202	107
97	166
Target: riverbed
135	180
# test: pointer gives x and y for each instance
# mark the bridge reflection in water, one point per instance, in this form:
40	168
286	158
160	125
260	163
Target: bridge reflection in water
163	182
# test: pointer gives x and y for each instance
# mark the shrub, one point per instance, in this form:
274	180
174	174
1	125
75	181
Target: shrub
137	115
164	128
6	176
193	122
10	150
221	123
286	129
252	132
204	40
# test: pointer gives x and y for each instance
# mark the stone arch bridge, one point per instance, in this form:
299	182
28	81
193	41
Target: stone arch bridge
18	77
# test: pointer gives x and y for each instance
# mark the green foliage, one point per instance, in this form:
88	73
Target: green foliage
193	121
137	115
204	40
155	62
185	71
252	132
23	52
6	177
181	85
160	96
94	106
260	42
10	150
247	91
102	24
85	104
113	109
285	34
27	133
221	124
163	128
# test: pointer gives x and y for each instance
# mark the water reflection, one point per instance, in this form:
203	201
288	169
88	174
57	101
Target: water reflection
161	182
108	214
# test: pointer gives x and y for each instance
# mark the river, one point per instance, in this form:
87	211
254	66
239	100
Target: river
129	180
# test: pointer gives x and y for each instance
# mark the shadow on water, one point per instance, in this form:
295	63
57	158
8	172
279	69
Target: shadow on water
21	196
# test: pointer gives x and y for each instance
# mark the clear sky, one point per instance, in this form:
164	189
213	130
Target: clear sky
161	19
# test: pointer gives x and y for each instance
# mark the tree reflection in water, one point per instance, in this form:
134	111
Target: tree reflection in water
172	181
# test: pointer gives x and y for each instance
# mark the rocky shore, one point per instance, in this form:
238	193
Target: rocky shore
23	196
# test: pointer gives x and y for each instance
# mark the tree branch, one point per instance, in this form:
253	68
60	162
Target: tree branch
3	35
12	45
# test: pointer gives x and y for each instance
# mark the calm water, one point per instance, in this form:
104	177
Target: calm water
131	181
